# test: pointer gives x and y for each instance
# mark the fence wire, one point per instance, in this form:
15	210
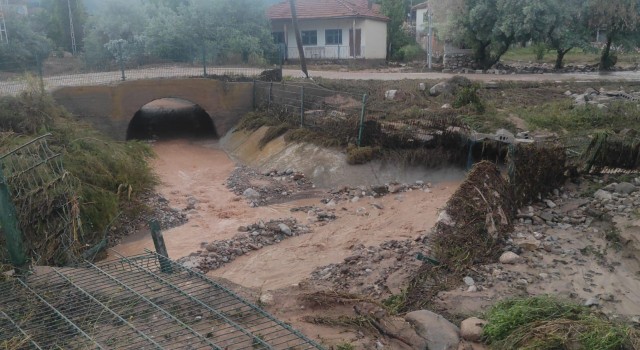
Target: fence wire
48	212
130	304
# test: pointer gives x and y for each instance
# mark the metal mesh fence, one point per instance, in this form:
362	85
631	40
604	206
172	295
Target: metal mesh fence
314	107
130	304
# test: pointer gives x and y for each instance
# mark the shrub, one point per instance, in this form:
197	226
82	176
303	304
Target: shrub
539	50
410	53
360	155
468	95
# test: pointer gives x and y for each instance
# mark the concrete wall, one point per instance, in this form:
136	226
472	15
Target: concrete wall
111	108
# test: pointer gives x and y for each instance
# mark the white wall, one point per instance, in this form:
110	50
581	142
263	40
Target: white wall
371	30
420	20
374	39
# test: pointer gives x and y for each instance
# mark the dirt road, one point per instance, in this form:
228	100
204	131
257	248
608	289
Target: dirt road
378	75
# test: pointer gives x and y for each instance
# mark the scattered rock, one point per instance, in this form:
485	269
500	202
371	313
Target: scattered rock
592	302
285	229
510	258
439	333
250	193
625	187
267	299
469	281
471	329
603	195
390	95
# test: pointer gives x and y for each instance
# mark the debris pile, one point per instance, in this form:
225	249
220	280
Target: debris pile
370	270
261	189
476	220
601	98
213	255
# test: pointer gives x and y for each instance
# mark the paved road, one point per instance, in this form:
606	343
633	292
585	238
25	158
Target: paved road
101	78
374	75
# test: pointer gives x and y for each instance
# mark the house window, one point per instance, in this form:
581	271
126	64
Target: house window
278	37
309	37
333	37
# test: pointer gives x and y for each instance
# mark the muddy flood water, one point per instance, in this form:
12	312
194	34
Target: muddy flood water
198	170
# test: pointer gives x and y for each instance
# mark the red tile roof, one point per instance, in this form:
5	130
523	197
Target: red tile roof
314	9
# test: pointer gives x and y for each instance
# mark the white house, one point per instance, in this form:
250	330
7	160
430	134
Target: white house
331	29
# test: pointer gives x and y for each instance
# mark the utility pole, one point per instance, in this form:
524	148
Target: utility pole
294	17
4	38
430	37
73	34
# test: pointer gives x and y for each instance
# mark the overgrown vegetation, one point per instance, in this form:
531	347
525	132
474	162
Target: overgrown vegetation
103	178
545	322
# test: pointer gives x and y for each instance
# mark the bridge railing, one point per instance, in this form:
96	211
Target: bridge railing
55	72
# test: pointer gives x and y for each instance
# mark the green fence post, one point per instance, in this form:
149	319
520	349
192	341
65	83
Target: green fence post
302	106
9	223
362	114
161	248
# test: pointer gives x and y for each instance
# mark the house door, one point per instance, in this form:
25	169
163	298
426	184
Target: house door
355	50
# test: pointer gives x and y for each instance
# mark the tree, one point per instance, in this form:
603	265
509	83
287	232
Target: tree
569	30
54	19
620	19
115	20
25	46
397	11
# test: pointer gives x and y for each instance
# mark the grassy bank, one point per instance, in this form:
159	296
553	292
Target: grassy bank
102	179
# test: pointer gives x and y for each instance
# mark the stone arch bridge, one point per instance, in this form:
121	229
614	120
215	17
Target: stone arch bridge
110	108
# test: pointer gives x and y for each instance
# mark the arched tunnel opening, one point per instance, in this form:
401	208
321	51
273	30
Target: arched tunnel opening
170	118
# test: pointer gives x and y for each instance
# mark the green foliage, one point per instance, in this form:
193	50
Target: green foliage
545	322
25	46
468	95
345	346
412	52
563	116
53	20
397	37
104	177
539	50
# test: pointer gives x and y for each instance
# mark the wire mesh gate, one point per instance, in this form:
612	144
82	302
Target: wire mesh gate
131	304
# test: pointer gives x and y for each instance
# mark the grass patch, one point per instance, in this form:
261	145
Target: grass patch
345	346
545	322
563	116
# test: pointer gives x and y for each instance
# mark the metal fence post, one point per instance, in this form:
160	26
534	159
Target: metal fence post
161	248
362	115
204	60
302	106
270	94
121	54
40	73
11	228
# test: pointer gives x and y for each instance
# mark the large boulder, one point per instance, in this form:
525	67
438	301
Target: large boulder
450	87
438	333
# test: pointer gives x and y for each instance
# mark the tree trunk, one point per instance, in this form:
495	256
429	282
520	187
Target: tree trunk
605	58
560	58
294	16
